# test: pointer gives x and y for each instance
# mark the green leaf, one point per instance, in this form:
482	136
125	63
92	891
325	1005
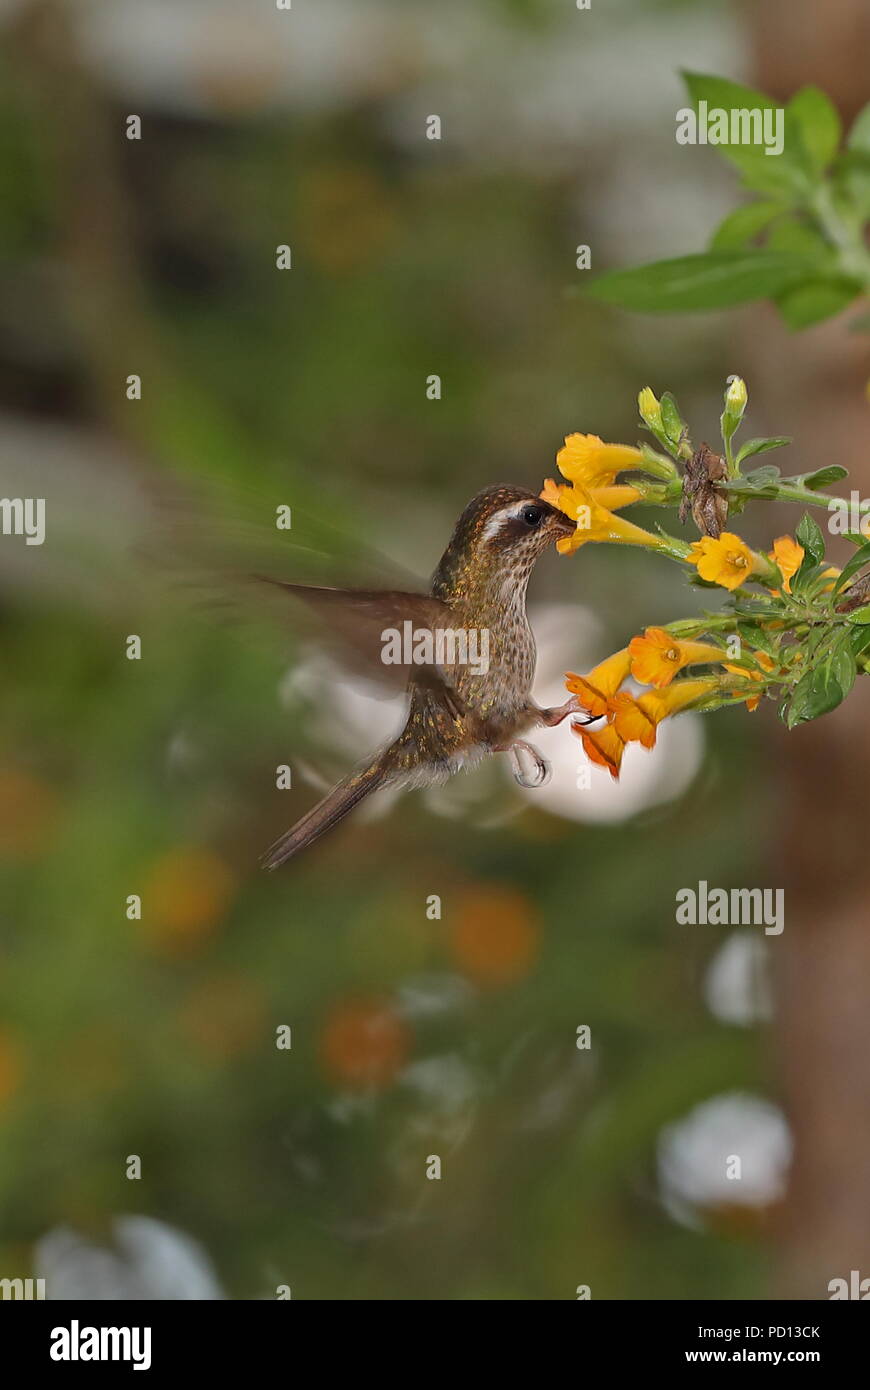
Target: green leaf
800	239
816	300
743	225
860	640
721	91
759	480
761	609
860	616
819	125
852	183
755	636
841	662
714	280
822	477
760	446
857	562
802	583
859	135
814	694
823	687
672	420
762	477
785	174
809	535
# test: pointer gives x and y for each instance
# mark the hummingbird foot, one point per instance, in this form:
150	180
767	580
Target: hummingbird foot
528	777
552	717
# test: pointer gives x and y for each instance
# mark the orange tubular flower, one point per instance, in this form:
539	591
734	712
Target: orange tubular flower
596	522
789	557
727	561
596	690
832	574
602	746
568	500
615	497
552	492
587	460
637	720
763	660
657	656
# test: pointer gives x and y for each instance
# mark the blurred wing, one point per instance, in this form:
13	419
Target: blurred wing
218	529
223	549
366	628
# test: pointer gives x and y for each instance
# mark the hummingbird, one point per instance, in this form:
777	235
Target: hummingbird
460	711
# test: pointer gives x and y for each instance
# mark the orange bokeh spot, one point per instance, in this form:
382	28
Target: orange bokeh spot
496	936
364	1044
185	894
27	811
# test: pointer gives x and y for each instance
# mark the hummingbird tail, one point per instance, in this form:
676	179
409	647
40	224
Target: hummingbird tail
327	813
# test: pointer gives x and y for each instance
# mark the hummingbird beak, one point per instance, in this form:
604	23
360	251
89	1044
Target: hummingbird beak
562	524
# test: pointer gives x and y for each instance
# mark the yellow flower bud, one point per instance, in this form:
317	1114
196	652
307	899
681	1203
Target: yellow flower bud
650	410
736	397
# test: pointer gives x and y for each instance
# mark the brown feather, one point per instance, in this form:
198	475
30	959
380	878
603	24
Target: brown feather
327	813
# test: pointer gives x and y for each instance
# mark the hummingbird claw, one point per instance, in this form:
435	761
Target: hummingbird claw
535	776
554	716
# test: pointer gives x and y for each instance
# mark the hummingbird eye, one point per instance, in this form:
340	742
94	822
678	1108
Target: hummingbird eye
532	516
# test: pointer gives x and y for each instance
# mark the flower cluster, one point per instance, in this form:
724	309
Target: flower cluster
791	627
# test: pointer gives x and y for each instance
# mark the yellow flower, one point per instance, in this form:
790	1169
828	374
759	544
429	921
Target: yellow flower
552	492
789	557
596	522
570	499
657	656
831	573
615	497
637	720
596	689
727	561
736	397
650	408
602	746
588	460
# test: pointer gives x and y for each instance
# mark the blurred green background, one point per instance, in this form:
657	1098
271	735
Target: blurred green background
410	1036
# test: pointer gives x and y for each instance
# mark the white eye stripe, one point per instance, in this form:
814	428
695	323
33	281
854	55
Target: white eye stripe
499	518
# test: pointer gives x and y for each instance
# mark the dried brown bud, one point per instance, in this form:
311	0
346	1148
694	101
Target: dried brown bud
856	595
708	505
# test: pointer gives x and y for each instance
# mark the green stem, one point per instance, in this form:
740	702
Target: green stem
853	254
790	492
657	465
672	547
688	627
